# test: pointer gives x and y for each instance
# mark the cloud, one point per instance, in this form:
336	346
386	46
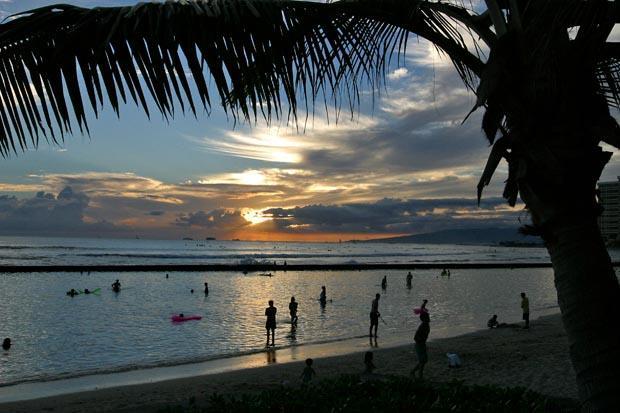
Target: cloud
399	73
395	216
49	214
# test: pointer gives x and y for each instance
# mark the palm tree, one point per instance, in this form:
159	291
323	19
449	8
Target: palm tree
547	86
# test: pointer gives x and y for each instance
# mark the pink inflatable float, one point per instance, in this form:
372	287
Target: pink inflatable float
180	318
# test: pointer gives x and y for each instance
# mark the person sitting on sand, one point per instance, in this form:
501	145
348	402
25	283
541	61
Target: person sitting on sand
308	373
6	344
323	296
72	293
421	335
116	286
492	323
368	364
206	288
525	306
292	308
409	278
270	312
374	315
384	282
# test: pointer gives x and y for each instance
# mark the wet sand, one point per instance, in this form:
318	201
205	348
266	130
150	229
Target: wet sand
536	359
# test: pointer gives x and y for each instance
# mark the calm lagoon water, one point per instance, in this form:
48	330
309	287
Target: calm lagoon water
58	336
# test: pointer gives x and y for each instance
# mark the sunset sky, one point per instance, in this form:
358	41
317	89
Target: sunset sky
406	166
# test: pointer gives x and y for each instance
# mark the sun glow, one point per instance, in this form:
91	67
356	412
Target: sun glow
254	216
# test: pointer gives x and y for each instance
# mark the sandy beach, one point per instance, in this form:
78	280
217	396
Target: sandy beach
536	359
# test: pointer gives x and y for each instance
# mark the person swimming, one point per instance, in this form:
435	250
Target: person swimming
86	291
72	292
6	344
116	286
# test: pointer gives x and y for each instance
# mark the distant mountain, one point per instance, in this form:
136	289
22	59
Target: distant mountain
471	236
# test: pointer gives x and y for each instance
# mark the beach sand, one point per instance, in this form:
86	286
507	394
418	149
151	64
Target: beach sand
536	359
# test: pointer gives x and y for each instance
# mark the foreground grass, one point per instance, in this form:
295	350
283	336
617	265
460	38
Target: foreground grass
390	394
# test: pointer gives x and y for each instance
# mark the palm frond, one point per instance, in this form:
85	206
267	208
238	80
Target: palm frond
268	58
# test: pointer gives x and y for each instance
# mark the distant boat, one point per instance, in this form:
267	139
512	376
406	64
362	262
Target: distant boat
188	239
235	239
210	238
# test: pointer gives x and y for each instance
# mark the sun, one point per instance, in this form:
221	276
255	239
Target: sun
254	216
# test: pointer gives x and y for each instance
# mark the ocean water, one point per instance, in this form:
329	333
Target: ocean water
78	251
56	336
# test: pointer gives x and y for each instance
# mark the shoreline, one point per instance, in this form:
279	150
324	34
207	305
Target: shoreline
269	267
536	359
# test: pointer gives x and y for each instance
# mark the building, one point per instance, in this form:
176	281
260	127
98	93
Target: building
609	221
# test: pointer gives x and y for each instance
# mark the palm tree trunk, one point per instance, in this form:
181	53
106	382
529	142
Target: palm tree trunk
589	299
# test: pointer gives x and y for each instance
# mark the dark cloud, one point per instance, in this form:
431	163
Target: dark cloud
47	214
155	213
217	219
396	216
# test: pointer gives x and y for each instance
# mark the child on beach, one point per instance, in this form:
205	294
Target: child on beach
308	373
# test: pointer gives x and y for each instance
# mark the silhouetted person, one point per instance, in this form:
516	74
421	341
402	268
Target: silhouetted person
493	323
323	296
292	308
72	293
374	315
525	306
86	291
206	288
6	344
369	366
308	373
409	278
444	272
270	312
421	335
191	291
166	275
384	282
116	286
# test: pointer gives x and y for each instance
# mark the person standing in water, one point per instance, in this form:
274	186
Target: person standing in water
6	344
292	308
525	306
116	286
323	296
206	289
384	282
409	278
374	315
421	335
270	312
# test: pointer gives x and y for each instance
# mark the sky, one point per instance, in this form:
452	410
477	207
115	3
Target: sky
405	165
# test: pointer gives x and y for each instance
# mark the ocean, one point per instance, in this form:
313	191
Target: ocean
56	336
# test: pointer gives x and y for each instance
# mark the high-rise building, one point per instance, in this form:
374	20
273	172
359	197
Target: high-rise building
609	221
